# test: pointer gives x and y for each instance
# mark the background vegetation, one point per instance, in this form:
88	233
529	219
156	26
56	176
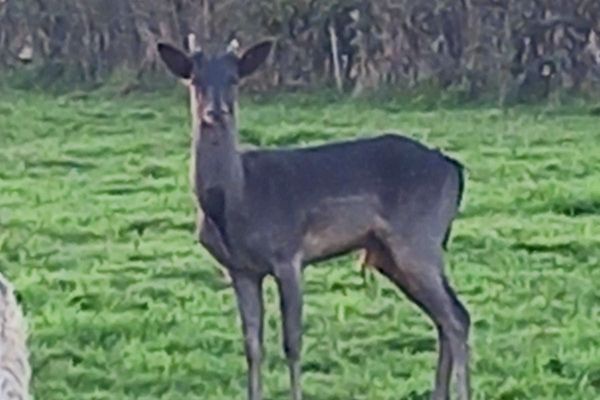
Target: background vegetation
506	49
97	233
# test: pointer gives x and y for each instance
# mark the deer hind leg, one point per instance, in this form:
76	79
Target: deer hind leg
419	274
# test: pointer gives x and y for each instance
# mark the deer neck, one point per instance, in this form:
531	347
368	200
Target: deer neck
218	163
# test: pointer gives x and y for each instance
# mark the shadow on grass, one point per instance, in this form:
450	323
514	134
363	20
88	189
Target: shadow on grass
578	208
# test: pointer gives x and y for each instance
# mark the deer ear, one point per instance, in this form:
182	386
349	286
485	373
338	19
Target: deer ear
176	60
254	57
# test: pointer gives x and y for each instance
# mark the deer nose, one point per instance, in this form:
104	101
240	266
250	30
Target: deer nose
213	114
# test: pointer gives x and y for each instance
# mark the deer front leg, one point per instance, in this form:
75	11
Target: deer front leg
210	237
248	290
289	281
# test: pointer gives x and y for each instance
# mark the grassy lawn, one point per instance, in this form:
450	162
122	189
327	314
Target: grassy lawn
97	233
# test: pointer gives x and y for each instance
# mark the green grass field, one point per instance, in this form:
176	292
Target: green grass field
97	233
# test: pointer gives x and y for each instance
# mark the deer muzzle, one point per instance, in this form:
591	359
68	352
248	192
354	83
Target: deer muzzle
214	113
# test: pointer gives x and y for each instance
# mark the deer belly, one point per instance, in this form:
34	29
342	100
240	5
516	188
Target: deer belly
338	226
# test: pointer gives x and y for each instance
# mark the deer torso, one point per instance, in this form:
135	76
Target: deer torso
322	201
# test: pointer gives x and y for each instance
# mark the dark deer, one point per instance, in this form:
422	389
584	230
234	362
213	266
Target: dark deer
272	212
